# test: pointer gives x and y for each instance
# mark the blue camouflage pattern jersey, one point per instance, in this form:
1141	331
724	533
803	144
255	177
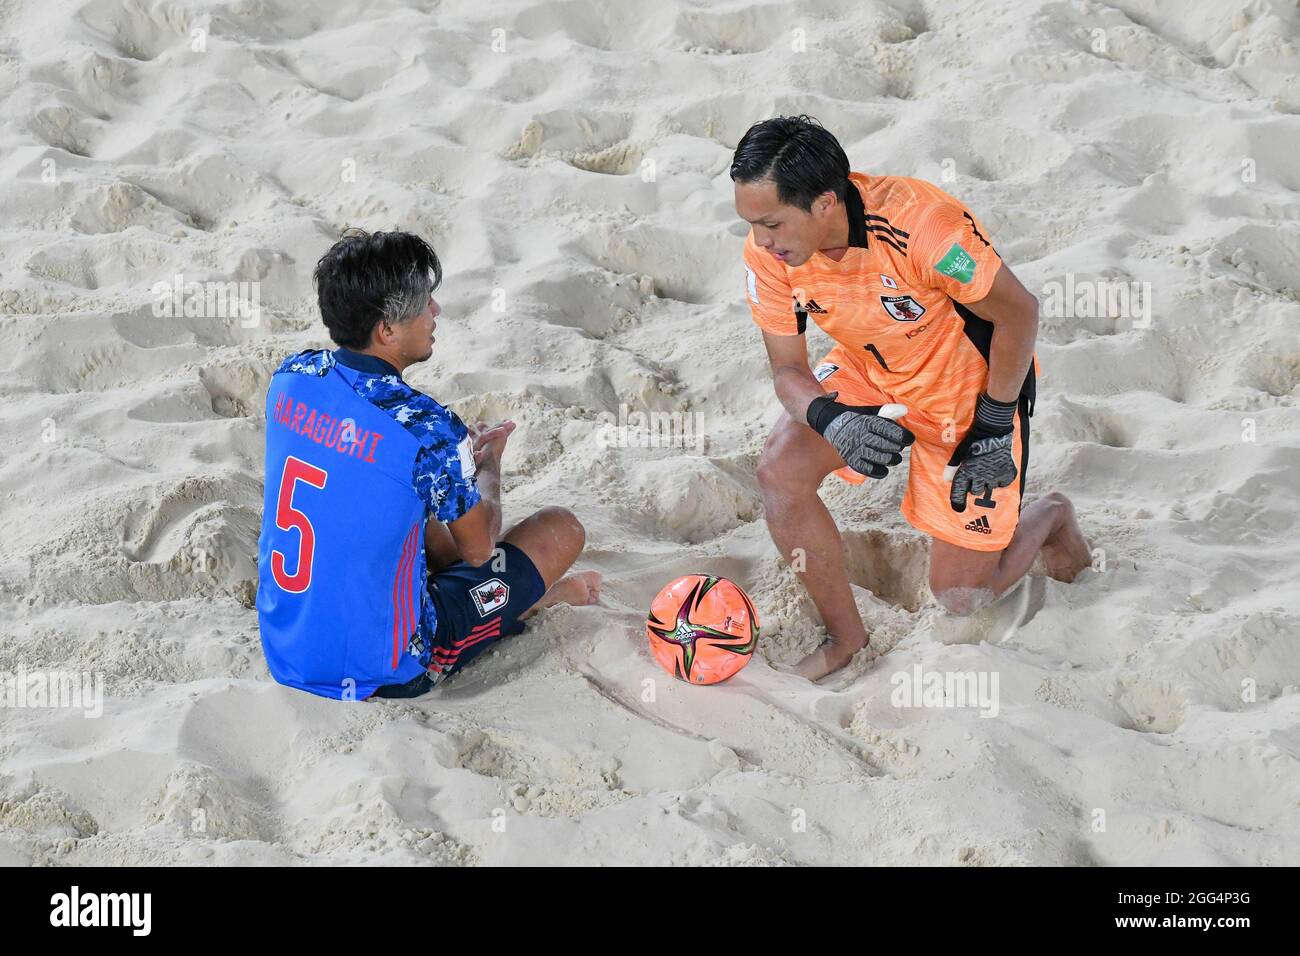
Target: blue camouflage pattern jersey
356	462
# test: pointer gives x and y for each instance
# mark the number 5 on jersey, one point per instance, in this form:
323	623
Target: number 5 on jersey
287	517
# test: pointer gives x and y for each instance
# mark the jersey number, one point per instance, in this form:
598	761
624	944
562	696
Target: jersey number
287	517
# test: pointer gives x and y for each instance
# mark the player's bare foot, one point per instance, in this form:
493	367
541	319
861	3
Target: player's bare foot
827	659
579	589
1066	552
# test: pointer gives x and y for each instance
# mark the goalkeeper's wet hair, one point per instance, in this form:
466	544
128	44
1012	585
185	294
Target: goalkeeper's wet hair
796	153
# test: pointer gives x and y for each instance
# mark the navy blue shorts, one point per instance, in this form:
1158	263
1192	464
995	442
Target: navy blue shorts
476	608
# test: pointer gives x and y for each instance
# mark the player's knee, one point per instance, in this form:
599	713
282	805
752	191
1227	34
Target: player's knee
769	471
962	601
565	527
1060	508
1059	502
781	469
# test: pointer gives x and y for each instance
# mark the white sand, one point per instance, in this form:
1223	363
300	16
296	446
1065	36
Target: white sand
131	479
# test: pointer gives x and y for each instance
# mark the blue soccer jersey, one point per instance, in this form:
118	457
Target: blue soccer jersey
356	462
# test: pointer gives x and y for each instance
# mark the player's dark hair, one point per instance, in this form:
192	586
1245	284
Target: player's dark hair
368	278
796	153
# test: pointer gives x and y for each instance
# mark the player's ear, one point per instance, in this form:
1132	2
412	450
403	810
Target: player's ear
824	203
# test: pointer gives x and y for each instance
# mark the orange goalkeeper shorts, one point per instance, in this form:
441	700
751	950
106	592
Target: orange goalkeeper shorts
940	409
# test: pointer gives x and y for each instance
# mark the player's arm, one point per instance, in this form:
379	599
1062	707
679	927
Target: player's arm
985	460
476	532
472	533
1013	311
769	296
950	251
440	548
795	384
458	475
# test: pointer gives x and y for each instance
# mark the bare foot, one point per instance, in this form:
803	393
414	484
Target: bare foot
1066	553
579	589
827	659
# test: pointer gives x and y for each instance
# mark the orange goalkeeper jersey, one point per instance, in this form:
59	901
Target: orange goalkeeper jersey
915	256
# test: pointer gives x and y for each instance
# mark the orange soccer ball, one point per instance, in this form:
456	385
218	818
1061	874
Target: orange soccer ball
702	628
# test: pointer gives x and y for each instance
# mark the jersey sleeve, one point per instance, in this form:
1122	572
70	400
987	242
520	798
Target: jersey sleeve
767	292
444	465
949	250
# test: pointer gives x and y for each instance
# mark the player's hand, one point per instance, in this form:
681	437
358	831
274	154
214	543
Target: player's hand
866	436
489	441
985	459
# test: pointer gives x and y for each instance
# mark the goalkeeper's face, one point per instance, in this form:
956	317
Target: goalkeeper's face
787	233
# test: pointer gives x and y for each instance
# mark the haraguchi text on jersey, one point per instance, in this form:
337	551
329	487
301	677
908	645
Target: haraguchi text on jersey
341	435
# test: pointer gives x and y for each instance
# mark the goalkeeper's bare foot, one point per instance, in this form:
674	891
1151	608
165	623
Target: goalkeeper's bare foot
1066	552
830	657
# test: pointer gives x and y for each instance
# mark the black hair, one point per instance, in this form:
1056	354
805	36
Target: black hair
796	153
365	279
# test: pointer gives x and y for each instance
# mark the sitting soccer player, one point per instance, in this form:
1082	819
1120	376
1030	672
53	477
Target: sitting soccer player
382	565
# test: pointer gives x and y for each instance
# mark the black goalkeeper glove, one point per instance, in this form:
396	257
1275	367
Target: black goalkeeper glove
984	459
866	436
